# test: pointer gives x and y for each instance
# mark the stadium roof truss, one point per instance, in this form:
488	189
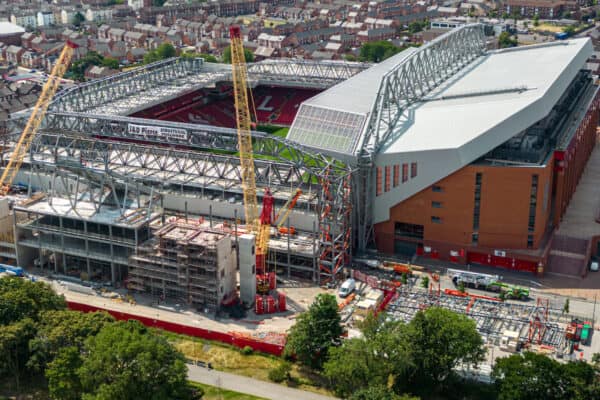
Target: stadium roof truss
417	76
390	87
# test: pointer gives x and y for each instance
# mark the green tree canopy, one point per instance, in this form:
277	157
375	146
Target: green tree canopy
78	19
532	376
165	50
315	331
377	51
380	358
110	62
58	329
122	361
440	340
14	348
20	298
379	392
248	55
505	40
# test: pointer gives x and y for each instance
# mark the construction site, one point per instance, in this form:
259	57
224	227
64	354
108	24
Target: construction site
158	180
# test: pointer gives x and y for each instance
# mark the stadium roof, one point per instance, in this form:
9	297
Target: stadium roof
498	96
482	104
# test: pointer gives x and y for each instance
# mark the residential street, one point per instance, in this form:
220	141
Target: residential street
247	385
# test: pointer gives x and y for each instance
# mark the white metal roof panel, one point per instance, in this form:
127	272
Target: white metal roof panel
543	70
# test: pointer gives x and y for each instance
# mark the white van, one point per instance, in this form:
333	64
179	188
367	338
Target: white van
347	287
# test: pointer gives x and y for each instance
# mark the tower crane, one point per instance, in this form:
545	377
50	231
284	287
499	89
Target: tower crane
259	224
37	115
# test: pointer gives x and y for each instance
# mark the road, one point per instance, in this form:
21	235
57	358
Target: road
247	385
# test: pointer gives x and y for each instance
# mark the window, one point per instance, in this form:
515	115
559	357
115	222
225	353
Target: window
223	273
532	206
436	220
409	230
529	241
413	170
388	178
477	203
436	204
437	189
404	172
475	238
379	181
396	175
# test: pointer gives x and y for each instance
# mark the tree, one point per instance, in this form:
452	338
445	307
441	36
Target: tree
315	331
21	298
63	381
536	20
281	372
14	348
425	282
377	51
59	329
122	361
226	58
165	50
505	40
532	376
566	307
382	357
110	62
158	3
569	30
78	19
379	392
440	340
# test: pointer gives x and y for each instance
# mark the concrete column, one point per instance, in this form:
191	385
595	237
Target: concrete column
113	272
87	251
62	247
247	261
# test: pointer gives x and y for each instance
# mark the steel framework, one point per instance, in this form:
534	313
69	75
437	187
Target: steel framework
416	76
115	87
166	169
305	72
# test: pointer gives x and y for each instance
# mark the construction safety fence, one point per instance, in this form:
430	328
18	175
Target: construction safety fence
237	341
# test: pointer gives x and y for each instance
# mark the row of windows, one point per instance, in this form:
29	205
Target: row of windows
532	209
477	207
386	177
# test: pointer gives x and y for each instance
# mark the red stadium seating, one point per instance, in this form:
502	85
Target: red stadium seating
274	105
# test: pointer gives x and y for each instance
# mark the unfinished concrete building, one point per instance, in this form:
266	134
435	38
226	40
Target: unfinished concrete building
85	234
188	262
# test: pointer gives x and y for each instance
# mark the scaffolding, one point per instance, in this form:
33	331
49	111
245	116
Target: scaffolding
186	262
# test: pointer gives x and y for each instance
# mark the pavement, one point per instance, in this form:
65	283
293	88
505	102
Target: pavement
250	386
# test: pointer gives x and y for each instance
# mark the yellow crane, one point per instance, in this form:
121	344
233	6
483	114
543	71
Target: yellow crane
37	115
260	225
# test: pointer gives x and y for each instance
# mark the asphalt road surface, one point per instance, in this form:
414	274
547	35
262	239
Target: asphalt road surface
247	385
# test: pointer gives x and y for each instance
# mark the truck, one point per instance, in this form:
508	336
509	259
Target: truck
473	279
12	270
488	282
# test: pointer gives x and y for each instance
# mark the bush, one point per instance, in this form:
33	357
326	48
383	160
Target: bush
280	373
425	282
247	350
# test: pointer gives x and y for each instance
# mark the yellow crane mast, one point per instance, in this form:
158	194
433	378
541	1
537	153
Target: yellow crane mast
37	115
244	123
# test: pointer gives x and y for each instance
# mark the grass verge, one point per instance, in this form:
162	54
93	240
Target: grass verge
215	393
256	365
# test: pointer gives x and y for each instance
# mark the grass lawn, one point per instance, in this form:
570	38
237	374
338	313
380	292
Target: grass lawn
215	393
230	359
